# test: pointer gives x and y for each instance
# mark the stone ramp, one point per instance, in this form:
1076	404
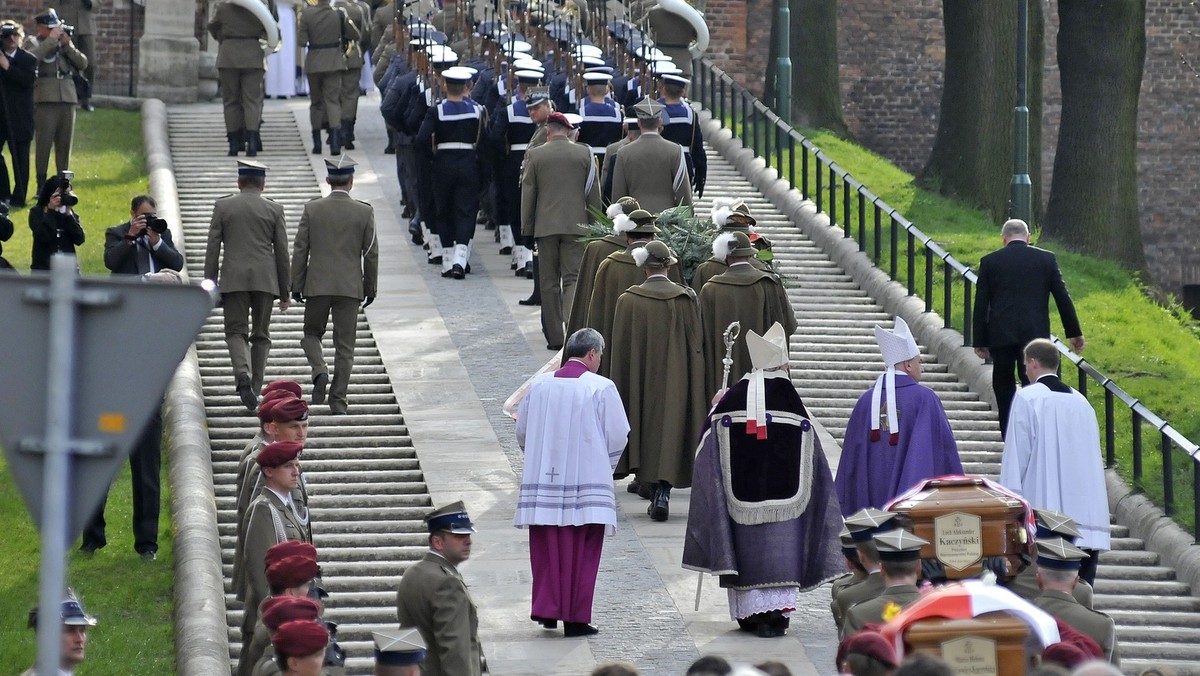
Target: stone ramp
367	491
835	359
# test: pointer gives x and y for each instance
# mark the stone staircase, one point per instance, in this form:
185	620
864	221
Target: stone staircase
365	483
835	359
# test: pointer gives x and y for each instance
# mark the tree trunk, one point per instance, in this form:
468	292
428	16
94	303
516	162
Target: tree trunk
816	95
972	155
1093	194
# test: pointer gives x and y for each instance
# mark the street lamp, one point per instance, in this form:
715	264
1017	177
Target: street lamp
1020	203
783	66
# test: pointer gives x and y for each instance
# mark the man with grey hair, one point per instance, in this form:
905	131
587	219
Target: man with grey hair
572	427
1011	309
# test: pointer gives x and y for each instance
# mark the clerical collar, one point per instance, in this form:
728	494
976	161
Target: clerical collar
1044	375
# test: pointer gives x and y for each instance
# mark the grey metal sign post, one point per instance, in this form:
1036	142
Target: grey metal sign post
66	437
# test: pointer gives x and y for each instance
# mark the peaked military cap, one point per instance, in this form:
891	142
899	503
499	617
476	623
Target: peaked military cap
342	166
48	18
536	96
70	610
899	545
452	518
251	168
648	108
398	647
865	523
846	540
1059	554
1052	524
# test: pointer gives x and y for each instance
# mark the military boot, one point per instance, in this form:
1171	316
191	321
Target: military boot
348	134
316	135
335	141
252	144
236	142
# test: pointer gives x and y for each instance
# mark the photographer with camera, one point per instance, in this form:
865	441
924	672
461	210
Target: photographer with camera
141	245
18	73
79	14
54	94
54	223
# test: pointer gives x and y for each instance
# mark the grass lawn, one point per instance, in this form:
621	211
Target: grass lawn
133	599
1150	350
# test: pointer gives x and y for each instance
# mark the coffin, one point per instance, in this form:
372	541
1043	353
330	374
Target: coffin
992	644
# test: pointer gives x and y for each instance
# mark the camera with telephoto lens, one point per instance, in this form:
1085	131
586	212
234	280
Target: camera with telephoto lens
68	198
7	30
155	223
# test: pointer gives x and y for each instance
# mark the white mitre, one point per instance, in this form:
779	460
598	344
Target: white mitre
896	346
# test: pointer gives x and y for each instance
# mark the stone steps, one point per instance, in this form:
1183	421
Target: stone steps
366	488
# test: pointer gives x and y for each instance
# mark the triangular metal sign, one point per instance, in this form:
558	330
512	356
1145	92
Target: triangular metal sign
127	346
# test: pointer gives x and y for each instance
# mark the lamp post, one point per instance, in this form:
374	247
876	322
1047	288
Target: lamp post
783	65
1020	203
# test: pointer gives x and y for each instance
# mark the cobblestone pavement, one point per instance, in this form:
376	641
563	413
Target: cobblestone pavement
455	351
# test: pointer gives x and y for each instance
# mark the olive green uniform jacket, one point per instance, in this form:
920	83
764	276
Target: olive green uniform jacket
653	171
593	255
252	231
335	252
867	588
1091	622
747	295
433	597
871	610
616	275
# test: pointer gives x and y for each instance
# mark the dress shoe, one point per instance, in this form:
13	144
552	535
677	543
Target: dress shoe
88	107
434	260
506	251
337	411
414	232
149	556
554	348
389	150
576	629
528	271
634	486
457	272
408	212
645	490
246	392
545	622
320	383
532	300
659	508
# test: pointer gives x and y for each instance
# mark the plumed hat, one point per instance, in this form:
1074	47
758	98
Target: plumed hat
655	255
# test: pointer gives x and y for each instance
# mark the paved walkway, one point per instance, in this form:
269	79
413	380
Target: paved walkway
454	351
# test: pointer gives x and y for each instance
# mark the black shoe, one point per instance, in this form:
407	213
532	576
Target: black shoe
659	508
645	490
446	273
389	150
236	142
316	139
547	623
87	106
89	549
528	271
513	266
337	411
532	300
149	556
409	211
457	272
577	629
434	260
320	382
416	236
633	486
554	348
252	144
506	251
246	392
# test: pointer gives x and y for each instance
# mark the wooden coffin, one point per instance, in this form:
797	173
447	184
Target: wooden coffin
992	644
966	522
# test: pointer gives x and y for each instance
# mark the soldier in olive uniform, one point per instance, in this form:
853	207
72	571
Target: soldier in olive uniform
357	14
78	13
433	597
54	94
1058	573
241	70
900	555
253	273
863	526
1050	525
327	32
335	266
272	518
558	185
856	573
652	169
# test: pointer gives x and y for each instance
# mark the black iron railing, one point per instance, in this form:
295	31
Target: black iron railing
927	270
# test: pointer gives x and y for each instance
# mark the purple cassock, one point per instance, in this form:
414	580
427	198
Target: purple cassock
876	467
762	512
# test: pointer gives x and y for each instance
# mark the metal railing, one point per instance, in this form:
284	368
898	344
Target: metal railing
929	271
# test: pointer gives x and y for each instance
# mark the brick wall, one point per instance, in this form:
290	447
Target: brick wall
892	54
113	51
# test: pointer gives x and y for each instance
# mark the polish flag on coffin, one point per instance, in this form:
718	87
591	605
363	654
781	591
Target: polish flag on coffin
965	600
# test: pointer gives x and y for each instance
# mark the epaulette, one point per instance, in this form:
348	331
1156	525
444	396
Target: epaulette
222	197
364	202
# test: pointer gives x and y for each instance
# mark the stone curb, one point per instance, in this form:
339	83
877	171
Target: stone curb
1161	534
130	103
201	631
1144	520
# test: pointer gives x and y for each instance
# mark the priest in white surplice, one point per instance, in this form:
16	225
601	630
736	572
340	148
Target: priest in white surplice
1052	452
573	429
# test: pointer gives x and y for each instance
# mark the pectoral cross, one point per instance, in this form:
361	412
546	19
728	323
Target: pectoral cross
552	474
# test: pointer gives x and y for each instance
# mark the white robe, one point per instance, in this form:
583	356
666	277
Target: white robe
281	65
573	431
1052	457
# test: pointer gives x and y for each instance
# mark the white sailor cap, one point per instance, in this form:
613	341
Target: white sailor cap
441	54
664	66
675	78
588	51
597	78
573	118
528	64
589	61
457	74
516	46
529	75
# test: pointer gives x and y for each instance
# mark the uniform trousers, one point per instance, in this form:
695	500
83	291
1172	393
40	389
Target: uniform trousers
84	44
508	197
19	152
345	334
145	466
407	171
53	125
1004	360
248	332
242	95
456	189
349	94
559	258
325	99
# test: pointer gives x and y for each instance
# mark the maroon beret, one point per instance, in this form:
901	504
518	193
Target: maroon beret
267	404
1064	655
289	548
291	571
283	386
279	609
278	453
286	409
870	644
559	118
300	638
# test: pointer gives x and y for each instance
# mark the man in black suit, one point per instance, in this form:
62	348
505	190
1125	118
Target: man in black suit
1011	309
138	248
18	75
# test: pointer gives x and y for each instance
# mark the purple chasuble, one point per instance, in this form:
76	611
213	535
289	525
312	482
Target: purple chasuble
871	472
